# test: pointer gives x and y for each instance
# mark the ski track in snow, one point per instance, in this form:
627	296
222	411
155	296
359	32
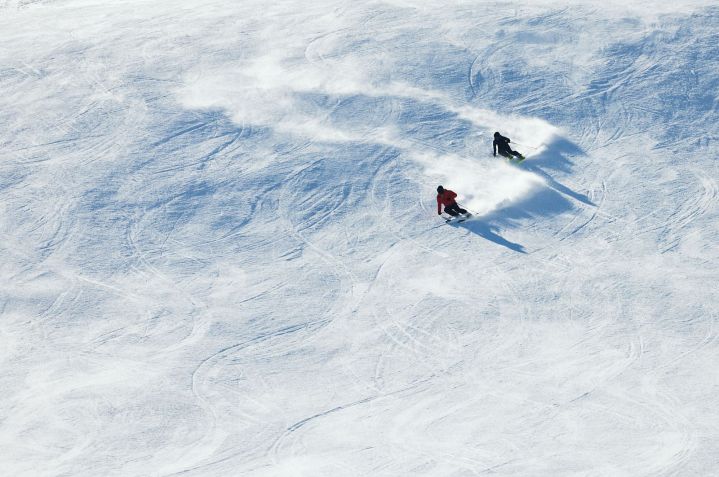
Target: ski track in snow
222	254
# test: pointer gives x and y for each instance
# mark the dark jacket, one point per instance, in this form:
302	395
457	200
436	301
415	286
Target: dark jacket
500	144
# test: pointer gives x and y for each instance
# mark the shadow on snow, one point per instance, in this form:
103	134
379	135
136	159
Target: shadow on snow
485	229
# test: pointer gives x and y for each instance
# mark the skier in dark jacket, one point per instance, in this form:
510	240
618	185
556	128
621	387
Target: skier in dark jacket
501	145
446	198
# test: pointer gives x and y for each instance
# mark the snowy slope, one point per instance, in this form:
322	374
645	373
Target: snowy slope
221	254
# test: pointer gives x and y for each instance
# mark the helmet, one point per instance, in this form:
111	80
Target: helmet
496	134
440	189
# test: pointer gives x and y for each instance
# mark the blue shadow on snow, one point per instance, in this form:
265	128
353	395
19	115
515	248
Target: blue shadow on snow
484	229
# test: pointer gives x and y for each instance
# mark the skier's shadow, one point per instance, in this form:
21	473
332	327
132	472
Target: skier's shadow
555	156
482	228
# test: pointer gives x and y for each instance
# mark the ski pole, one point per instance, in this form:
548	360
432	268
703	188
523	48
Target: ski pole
524	145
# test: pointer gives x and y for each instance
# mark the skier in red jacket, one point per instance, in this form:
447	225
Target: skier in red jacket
446	198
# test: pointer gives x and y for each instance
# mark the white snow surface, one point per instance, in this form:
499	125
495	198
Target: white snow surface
221	254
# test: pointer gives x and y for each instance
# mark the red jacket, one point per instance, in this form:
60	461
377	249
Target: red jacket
445	198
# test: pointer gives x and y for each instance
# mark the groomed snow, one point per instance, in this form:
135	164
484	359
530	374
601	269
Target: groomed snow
221	254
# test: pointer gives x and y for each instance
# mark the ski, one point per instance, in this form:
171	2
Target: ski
458	219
